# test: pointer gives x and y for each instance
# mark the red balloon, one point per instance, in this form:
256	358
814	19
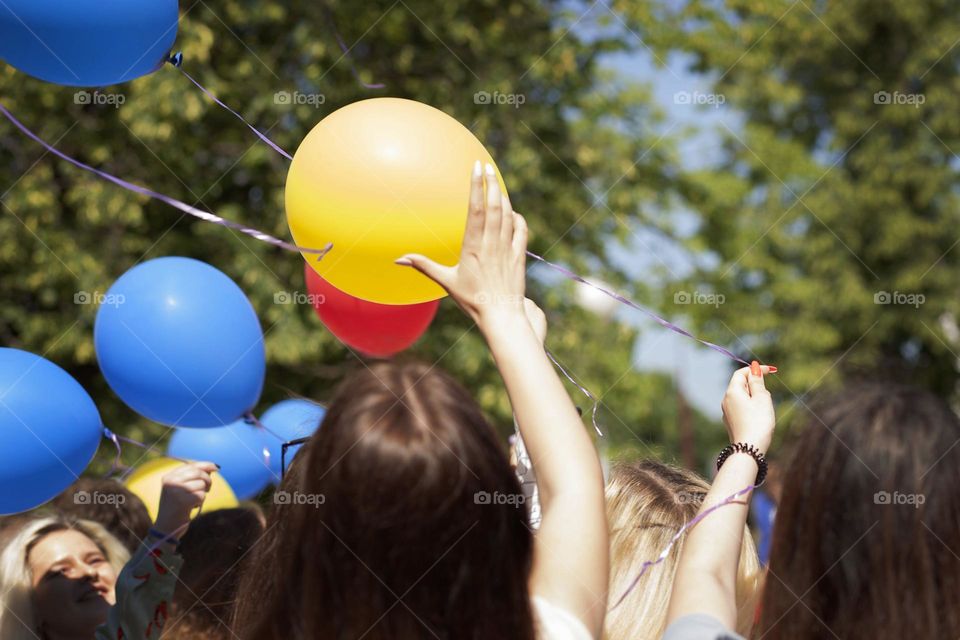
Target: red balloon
378	330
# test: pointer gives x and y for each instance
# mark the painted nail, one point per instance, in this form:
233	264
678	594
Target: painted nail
490	171
476	169
755	368
773	369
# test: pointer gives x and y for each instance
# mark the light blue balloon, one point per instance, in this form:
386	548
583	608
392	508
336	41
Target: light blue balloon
180	344
87	43
239	448
49	430
290	419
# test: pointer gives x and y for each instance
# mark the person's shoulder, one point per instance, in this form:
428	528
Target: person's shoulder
699	626
556	623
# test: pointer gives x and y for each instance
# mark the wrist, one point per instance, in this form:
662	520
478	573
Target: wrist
501	323
171	523
743	451
163	536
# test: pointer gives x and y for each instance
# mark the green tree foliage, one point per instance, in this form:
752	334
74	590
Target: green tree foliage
830	224
576	135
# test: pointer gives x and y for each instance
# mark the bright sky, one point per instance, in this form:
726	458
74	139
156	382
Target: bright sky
702	373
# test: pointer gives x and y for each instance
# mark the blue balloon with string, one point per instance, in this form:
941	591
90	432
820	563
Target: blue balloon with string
241	450
289	420
49	430
180	344
87	43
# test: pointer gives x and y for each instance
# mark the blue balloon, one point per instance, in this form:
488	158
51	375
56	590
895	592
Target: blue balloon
87	43
239	448
49	430
290	419
180	344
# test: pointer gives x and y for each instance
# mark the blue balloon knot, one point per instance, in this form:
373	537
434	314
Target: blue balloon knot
176	59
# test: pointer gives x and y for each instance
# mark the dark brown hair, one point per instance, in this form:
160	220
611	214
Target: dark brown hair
867	535
407	522
214	550
125	516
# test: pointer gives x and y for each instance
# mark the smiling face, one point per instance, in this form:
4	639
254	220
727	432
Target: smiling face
73	582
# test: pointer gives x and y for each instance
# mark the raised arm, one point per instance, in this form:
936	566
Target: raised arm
146	585
571	547
706	577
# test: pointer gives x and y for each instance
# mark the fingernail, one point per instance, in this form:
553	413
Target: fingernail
755	368
403	262
476	169
217	466
490	171
773	369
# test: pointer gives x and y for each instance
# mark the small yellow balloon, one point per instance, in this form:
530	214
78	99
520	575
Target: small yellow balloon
146	483
381	178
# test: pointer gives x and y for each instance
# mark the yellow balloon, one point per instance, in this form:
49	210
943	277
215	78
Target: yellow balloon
381	178
146	483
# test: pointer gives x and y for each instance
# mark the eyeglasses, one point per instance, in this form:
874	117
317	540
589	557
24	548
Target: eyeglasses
283	453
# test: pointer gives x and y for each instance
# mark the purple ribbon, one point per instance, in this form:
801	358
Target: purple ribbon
110	435
583	390
249	418
630	303
663	554
115	439
193	211
177	61
353	69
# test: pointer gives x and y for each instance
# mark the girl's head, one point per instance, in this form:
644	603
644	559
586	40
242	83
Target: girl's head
405	520
57	577
647	503
214	550
867	538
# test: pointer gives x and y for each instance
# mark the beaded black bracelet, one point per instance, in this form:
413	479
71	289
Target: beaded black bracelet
742	447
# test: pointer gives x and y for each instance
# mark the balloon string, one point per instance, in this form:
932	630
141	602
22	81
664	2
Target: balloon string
193	211
663	554
113	437
583	390
116	439
249	418
353	68
177	61
630	303
110	435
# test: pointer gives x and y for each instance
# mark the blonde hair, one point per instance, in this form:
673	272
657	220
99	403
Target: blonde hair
17	621
647	503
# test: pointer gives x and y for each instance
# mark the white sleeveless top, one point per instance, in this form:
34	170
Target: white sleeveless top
555	623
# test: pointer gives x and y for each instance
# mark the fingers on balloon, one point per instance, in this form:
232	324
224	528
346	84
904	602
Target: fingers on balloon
491	227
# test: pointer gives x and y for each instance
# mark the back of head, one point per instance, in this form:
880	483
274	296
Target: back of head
647	503
867	536
406	521
111	504
17	620
214	551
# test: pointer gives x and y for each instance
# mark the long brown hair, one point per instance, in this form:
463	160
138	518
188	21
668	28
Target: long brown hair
214	550
406	521
867	535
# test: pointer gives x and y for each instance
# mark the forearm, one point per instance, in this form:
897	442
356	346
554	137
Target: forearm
559	447
706	575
